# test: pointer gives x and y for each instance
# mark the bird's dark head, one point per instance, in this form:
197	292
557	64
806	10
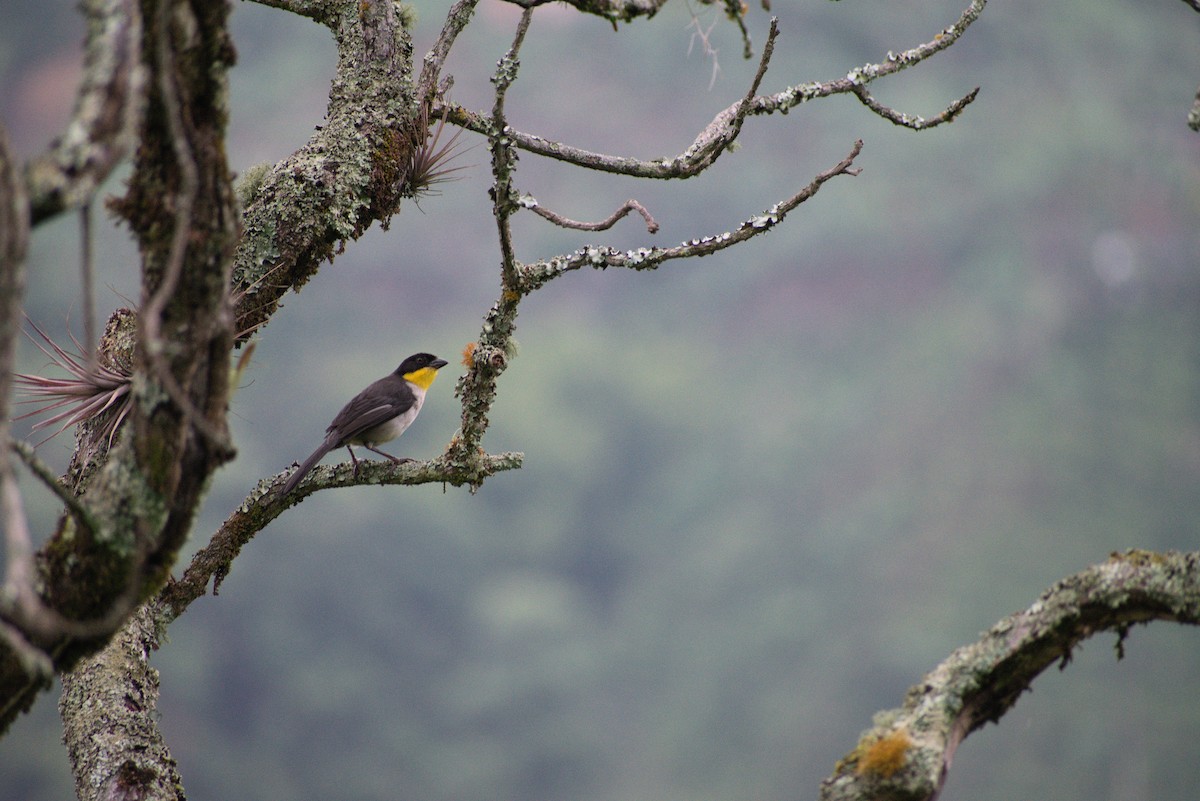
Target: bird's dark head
421	369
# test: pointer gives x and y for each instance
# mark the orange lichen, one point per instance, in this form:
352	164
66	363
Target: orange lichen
467	353
885	756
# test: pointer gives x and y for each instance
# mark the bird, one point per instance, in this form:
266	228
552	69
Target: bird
378	414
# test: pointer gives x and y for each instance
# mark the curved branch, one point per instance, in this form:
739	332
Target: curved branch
536	274
707	147
612	10
715	136
350	173
907	754
530	202
264	504
107	112
910	121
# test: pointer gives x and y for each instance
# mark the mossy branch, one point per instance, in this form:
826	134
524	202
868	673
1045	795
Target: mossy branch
907	752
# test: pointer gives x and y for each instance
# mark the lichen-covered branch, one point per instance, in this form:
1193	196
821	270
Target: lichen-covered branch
910	121
908	751
530	202
707	147
612	10
710	143
265	503
115	745
536	274
116	545
108	108
488	358
351	173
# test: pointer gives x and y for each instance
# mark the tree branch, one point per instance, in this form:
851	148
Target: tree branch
536	274
715	137
143	498
613	10
108	109
351	172
115	747
214	561
907	753
431	70
20	659
915	123
530	202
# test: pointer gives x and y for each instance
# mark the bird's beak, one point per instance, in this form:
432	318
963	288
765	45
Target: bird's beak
438	364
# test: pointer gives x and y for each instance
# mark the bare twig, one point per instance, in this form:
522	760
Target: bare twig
914	122
14	240
19	570
736	11
457	19
531	203
712	141
44	474
704	37
536	274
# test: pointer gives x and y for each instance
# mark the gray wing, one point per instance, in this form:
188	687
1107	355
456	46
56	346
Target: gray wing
385	400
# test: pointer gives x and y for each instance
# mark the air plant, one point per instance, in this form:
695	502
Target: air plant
90	390
428	162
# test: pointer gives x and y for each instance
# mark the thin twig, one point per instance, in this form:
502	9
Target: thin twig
646	258
712	140
630	205
704	37
457	19
43	473
915	123
19	570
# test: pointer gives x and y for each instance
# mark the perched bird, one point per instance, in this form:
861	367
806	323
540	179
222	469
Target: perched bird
378	414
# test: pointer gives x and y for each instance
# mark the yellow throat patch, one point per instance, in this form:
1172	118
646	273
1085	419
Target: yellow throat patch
422	378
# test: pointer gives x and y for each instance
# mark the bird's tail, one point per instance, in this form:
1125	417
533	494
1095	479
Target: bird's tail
308	464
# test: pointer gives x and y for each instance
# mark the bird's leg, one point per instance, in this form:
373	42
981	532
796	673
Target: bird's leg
353	460
395	459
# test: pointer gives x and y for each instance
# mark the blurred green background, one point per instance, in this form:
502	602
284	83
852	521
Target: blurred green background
764	491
